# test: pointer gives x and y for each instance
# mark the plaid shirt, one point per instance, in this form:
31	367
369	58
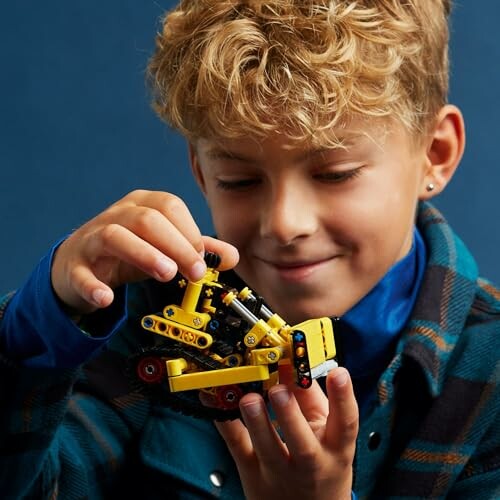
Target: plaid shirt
432	431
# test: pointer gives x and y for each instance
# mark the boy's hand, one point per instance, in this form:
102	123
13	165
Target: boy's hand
145	234
315	459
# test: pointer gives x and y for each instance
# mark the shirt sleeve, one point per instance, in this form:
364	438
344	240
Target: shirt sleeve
62	434
37	332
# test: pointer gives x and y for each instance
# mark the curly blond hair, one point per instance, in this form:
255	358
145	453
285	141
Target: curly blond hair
234	68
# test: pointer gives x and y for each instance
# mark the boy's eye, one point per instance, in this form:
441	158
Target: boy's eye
338	176
236	184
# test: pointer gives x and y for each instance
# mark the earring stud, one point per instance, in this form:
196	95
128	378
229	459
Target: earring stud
430	187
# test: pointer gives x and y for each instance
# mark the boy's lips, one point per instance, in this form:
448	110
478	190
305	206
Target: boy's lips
296	270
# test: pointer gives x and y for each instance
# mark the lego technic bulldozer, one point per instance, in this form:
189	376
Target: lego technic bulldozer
220	343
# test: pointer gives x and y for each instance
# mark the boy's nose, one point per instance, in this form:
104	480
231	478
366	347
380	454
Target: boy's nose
290	215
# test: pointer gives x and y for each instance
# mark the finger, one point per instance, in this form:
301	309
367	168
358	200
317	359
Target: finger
163	236
165	222
157	230
89	288
176	211
267	444
172	250
312	401
228	253
117	241
178	214
343	419
237	439
299	437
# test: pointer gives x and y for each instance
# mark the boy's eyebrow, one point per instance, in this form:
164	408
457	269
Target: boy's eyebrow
216	153
220	153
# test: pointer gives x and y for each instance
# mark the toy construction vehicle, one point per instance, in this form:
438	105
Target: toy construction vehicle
219	344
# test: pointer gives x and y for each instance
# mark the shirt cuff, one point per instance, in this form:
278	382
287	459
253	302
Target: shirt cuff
37	332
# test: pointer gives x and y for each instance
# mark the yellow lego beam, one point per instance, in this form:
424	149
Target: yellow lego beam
214	378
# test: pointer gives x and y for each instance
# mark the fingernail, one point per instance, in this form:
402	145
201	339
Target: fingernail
252	410
280	397
198	271
98	296
341	378
164	268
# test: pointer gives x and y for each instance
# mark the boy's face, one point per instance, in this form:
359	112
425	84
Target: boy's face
316	230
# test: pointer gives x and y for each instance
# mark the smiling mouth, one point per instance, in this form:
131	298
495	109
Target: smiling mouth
297	271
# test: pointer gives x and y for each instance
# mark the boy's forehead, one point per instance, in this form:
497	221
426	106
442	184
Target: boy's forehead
356	132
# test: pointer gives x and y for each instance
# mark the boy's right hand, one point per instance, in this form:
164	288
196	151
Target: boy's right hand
145	234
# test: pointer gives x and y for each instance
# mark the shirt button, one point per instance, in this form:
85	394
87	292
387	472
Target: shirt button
217	479
374	440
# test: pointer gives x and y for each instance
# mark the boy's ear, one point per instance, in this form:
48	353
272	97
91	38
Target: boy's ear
195	167
445	147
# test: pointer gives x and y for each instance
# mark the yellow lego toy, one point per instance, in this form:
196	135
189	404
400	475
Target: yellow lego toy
220	343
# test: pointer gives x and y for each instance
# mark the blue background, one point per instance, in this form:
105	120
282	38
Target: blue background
77	131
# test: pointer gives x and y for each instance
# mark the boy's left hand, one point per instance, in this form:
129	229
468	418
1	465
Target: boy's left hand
314	459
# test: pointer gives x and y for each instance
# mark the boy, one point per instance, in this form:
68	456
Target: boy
317	131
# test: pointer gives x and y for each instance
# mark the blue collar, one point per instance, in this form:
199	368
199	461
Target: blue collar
370	329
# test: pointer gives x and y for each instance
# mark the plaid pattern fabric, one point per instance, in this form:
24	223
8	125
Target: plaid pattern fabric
436	416
432	432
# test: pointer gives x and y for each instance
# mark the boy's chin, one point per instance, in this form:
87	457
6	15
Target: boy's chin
299	310
303	312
